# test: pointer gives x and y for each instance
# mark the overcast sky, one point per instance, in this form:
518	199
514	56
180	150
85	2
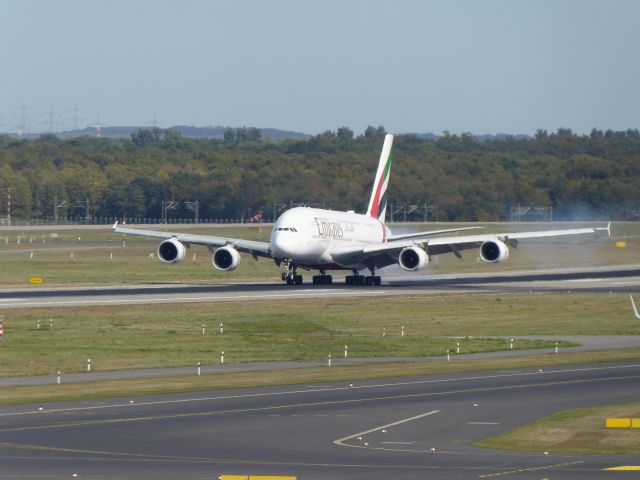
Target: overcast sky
410	65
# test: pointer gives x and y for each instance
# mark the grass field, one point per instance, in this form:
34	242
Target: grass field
575	431
96	256
152	336
192	383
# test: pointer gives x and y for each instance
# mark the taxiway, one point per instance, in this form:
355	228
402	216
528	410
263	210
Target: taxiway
405	428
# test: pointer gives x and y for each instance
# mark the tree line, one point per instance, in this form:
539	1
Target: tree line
595	175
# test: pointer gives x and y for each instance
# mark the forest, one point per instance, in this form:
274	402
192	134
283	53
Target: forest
594	176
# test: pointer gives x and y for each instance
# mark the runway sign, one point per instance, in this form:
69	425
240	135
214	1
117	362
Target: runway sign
622	423
35	280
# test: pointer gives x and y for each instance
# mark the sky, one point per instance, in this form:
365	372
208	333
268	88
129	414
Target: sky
493	66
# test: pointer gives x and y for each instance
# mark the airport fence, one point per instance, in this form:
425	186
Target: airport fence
129	221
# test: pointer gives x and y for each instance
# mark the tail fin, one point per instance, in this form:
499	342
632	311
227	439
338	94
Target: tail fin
378	202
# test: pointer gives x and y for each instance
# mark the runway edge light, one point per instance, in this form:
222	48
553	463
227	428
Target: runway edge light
255	477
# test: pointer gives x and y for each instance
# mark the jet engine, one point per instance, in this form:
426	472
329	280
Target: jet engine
226	258
413	258
494	251
171	251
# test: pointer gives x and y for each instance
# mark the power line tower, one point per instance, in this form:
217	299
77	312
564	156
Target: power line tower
194	207
51	120
74	117
99	126
8	191
86	205
168	205
154	123
23	116
56	207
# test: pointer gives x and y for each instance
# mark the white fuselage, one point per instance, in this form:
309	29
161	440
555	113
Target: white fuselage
306	236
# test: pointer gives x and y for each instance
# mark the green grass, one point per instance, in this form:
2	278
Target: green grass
574	431
192	383
93	264
152	336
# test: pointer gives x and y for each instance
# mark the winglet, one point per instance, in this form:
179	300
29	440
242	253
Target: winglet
635	310
115	225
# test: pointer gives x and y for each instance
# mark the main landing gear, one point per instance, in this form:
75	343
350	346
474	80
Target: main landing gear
290	275
357	279
322	279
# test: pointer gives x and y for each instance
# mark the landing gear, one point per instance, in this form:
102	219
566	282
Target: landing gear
357	279
290	275
322	279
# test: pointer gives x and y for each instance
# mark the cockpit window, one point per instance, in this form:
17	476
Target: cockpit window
286	229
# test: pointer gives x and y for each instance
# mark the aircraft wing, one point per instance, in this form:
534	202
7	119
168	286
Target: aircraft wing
431	233
255	248
386	253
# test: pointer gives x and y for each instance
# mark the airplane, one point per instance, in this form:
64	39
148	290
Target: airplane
327	240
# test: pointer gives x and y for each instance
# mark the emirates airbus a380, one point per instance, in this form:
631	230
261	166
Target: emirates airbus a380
325	240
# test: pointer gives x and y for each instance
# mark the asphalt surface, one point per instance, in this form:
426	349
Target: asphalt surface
408	428
592	279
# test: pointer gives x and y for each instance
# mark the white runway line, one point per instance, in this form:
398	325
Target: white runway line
219	298
105	405
341	441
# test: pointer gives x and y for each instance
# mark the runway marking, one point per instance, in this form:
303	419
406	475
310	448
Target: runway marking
261	296
143	457
295	392
532	469
483	423
341	441
397	443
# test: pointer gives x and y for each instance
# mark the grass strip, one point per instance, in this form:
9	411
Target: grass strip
574	431
43	341
180	384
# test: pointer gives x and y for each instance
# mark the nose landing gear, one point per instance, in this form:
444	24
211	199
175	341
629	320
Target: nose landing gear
290	274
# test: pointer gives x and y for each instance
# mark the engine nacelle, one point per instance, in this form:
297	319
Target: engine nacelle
226	258
494	251
171	251
413	258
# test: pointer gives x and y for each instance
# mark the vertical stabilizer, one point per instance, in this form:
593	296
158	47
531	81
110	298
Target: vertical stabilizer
378	202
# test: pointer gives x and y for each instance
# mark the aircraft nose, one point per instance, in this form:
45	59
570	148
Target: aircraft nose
287	245
280	245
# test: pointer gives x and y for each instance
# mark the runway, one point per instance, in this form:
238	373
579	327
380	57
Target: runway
609	279
405	428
